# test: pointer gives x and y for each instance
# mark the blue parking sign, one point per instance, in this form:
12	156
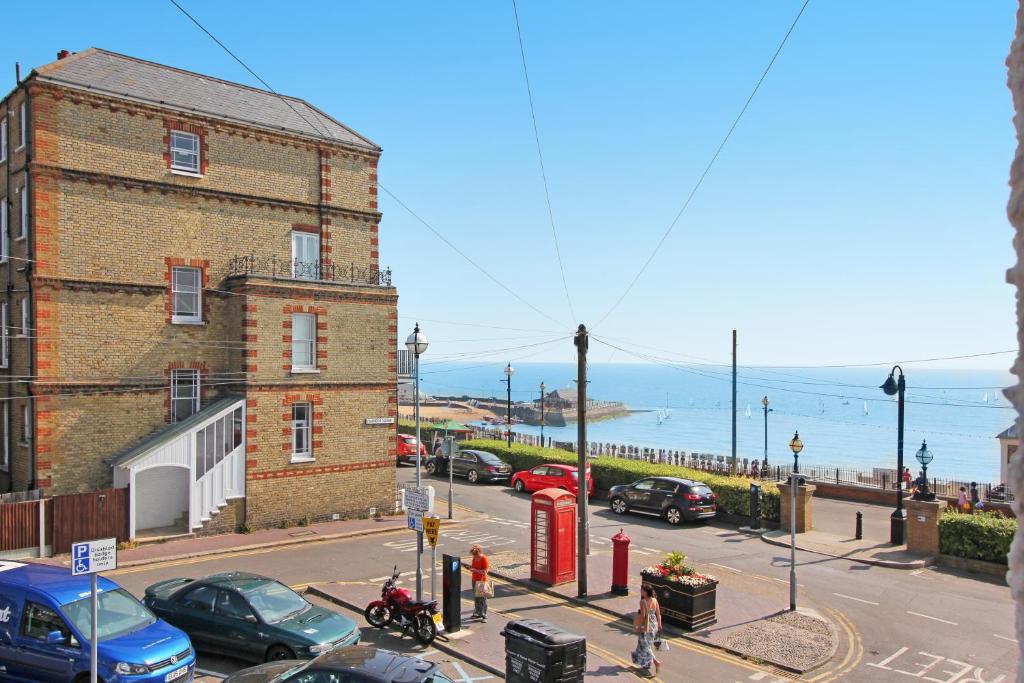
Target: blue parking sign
79	558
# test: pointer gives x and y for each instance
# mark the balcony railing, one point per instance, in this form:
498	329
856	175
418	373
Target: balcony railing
311	271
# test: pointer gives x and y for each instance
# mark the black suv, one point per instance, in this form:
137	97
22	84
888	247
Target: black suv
673	498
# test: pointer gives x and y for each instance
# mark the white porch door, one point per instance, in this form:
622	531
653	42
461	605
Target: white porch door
305	256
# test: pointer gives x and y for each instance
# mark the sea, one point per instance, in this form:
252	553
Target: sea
844	418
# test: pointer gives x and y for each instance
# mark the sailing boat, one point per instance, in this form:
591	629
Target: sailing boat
843	399
748	411
821	406
660	415
985	399
865	407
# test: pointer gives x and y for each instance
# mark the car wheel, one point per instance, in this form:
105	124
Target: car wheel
619	506
431	467
674	515
472	476
278	653
519	486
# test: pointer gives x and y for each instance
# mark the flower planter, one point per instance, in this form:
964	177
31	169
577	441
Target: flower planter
691	607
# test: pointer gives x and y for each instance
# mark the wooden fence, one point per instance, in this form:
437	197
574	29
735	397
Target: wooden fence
68	519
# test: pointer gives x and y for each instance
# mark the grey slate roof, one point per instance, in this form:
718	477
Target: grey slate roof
115	74
165	434
1008	433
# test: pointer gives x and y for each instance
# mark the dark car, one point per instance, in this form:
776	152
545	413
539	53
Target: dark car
673	498
357	664
473	465
249	617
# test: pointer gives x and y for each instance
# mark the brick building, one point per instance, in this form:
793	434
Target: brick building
193	305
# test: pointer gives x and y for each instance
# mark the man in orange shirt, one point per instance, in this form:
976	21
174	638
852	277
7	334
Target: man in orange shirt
480	566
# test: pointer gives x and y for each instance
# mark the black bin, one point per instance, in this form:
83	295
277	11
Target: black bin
539	652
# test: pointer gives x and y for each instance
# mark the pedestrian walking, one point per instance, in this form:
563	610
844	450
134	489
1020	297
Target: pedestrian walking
976	503
482	587
647	625
754	470
906	477
961	501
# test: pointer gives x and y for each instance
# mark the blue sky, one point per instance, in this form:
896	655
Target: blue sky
856	215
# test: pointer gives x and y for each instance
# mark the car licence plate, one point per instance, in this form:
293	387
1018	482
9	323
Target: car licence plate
438	621
177	673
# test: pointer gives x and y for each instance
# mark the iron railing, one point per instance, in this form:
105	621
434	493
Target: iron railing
311	271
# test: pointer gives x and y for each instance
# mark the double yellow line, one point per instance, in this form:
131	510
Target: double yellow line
854	653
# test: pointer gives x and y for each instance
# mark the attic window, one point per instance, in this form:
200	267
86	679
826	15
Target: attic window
184	152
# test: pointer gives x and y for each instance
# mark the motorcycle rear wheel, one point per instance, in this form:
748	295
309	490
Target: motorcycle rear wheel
425	629
378	616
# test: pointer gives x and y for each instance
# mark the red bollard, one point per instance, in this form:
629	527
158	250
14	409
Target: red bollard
620	563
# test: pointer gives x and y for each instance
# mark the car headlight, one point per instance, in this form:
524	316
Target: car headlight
131	669
321	648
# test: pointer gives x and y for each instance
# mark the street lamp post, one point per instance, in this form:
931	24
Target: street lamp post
542	414
764	463
796	445
417	344
924	456
508	381
898	519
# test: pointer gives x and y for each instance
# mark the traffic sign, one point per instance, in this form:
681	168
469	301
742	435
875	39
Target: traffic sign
431	526
419	499
415	521
91	557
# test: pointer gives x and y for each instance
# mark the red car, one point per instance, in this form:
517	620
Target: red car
407	449
550	476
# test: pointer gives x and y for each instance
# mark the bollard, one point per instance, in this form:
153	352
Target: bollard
755	506
860	525
620	563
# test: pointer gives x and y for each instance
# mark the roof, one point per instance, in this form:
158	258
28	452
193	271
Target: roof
57	582
1009	433
237	580
171	432
122	76
567	394
377	664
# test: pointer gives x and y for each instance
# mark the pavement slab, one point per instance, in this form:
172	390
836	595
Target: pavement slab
866	551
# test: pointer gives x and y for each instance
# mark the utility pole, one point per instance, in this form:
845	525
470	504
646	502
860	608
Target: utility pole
581	342
733	466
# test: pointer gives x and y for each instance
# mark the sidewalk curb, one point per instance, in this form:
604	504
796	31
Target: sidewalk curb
443	646
888	564
273	544
525	583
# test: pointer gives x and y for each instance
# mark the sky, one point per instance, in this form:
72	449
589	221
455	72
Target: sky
856	215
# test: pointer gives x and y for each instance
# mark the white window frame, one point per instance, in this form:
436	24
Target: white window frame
302	427
24	317
22	127
5	337
26	424
187	290
23	206
175	397
307	344
302	244
5	241
5	464
194	149
3	139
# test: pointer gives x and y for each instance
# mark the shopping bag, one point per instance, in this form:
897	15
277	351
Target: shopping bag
483	589
660	644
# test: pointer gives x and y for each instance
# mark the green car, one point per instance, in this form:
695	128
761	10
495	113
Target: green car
249	617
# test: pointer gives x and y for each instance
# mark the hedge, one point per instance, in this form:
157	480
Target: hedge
733	492
981	536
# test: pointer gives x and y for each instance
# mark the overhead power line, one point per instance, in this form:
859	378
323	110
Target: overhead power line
380	185
540	158
707	169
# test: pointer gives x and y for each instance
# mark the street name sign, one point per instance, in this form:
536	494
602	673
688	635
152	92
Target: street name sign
432	526
380	420
93	556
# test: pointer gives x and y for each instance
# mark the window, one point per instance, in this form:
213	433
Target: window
23	199
22	125
216	441
302	420
662	485
305	256
5	462
201	599
184	394
26	424
5	246
645	485
38	622
186	295
184	152
3	139
232	605
303	341
24	318
5	336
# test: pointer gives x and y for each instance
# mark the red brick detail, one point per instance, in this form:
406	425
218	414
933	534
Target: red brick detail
204	149
305	227
310	469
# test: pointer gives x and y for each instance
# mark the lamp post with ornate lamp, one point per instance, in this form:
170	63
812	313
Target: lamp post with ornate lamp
509	370
796	445
924	456
764	463
417	344
542	414
898	519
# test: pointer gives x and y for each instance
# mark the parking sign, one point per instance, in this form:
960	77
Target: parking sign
91	557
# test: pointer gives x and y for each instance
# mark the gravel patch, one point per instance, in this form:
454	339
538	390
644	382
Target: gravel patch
511	564
792	640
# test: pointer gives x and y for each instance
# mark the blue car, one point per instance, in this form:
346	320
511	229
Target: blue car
46	622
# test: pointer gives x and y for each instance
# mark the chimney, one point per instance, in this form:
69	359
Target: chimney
62	54
17	73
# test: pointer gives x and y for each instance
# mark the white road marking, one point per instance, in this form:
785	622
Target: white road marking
785	581
1012	640
465	677
725	566
850	597
427	653
651	550
641	552
208	672
927	616
385	578
758	676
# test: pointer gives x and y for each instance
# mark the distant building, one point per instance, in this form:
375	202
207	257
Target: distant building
1009	444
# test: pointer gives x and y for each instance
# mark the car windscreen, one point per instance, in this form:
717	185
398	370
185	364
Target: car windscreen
118	612
700	490
490	458
274	601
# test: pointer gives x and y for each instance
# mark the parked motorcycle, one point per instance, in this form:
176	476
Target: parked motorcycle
396	605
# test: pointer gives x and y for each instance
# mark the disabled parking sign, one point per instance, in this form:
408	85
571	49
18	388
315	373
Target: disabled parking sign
91	557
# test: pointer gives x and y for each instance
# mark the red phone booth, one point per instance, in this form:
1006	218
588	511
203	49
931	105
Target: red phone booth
553	537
